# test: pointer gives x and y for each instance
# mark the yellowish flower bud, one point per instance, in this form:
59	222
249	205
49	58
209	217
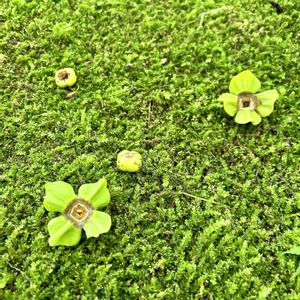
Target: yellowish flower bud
65	77
129	161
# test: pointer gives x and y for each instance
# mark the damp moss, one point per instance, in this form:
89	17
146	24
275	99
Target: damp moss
215	204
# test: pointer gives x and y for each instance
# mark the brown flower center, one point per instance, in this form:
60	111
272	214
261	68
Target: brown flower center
63	75
78	212
247	101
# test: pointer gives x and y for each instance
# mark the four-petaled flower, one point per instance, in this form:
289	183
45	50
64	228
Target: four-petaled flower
244	103
78	212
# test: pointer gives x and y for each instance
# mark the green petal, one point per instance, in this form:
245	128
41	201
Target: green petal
268	96
99	222
256	118
96	193
244	82
63	232
58	195
266	100
230	103
295	250
243	117
265	109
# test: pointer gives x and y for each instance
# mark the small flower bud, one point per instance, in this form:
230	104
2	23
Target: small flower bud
65	77
130	161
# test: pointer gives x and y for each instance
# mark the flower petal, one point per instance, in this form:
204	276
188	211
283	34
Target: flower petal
256	118
244	82
96	193
63	232
265	109
295	250
230	103
99	222
266	100
268	96
243	117
58	195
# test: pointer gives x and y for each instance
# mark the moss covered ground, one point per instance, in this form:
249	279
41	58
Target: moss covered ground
216	203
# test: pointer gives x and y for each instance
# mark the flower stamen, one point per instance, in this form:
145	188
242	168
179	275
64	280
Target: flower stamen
247	101
78	212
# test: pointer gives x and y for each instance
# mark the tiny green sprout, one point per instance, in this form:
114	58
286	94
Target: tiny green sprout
78	212
244	103
65	77
129	161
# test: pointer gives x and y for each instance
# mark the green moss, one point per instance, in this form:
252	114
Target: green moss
149	75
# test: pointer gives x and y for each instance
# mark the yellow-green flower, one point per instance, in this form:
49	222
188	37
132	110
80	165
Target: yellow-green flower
78	212
244	103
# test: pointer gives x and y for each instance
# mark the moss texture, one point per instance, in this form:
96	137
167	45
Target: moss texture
216	203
